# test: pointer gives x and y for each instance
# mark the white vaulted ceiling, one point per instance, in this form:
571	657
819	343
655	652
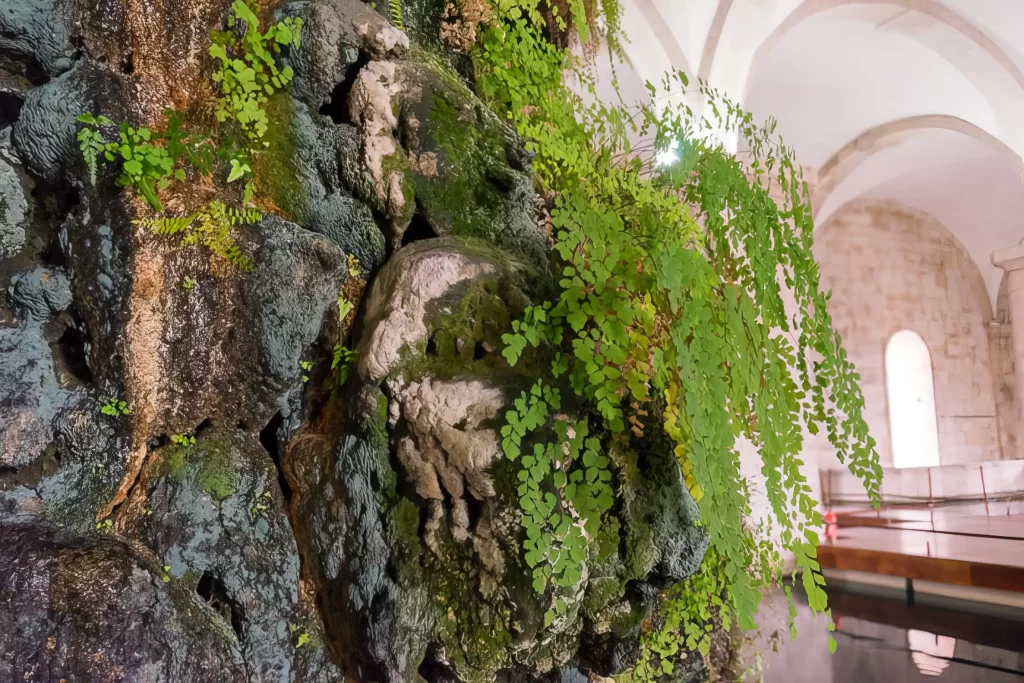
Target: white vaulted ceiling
917	101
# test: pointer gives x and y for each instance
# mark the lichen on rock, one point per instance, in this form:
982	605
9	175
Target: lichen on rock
14	209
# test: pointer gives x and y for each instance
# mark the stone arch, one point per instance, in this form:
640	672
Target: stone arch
1002	314
936	10
980	74
659	28
854	153
1002	86
707	57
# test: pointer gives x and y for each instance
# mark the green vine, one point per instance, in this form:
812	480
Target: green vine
670	290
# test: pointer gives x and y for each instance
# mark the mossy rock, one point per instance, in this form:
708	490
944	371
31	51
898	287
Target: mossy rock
468	170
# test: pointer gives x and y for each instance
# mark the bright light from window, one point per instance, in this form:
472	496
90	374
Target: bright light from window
908	381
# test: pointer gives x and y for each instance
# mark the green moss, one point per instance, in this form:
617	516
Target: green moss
474	633
464	196
374	427
217	475
398	162
607	541
174	466
212	456
601	592
641	554
277	176
467	194
464	330
406	520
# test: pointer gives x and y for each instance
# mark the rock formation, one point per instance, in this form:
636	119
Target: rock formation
191	489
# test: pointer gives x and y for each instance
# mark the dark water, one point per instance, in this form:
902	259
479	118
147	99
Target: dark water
882	639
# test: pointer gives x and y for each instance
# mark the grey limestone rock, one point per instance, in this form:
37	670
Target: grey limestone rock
31	393
397	304
326	206
216	520
36	33
14	209
335	33
78	608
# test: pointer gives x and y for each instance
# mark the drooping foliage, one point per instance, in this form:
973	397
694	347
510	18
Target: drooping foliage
674	283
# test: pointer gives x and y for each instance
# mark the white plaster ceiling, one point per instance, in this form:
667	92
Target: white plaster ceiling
917	101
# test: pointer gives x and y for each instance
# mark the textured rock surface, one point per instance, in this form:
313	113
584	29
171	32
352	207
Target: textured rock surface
44	134
213	514
31	393
92	609
360	537
191	486
434	151
36	34
396	309
326	206
338	32
14	210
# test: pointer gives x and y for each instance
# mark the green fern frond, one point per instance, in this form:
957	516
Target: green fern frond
243	216
214	225
166	225
396	14
210	226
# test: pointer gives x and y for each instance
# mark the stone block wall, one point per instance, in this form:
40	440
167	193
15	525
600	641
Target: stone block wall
892	268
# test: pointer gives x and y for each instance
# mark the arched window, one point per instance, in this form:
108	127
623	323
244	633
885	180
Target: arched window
908	382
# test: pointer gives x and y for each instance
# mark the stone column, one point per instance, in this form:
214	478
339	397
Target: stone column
1011	260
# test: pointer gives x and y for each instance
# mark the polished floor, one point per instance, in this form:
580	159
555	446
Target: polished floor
885	640
975	545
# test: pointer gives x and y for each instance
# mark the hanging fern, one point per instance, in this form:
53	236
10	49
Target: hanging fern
396	14
670	297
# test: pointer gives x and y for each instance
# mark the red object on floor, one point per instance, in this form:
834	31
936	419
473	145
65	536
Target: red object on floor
831	527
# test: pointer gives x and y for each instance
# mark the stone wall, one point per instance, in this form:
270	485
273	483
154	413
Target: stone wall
891	268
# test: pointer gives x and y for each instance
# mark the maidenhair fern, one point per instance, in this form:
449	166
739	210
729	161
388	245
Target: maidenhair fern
670	296
564	490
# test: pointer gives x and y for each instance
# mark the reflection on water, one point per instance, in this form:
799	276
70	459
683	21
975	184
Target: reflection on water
930	652
883	640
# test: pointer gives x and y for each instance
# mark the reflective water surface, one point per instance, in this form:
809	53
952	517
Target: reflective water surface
882	639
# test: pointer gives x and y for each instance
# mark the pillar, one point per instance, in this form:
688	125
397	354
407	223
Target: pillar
1011	260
